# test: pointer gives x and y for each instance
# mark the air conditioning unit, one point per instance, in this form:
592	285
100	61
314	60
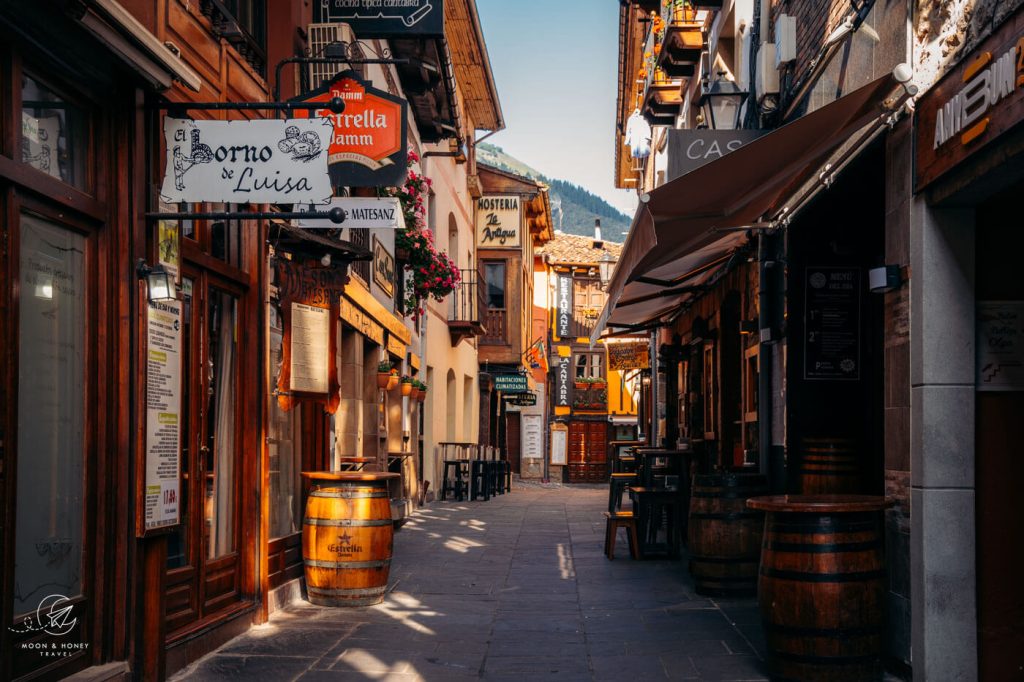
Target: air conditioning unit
320	36
766	80
785	39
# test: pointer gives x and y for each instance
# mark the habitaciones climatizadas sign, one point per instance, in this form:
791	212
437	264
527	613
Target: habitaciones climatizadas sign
247	162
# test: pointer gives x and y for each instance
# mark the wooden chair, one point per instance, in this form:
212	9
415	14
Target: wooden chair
614	521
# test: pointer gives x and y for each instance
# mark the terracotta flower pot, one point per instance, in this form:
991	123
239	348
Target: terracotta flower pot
421	396
392	382
383	379
406	388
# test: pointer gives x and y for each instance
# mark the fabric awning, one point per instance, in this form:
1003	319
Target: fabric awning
677	228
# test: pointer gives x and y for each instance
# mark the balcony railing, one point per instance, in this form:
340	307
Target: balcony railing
467	307
496	326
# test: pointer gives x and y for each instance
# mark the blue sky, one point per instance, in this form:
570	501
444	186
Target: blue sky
554	63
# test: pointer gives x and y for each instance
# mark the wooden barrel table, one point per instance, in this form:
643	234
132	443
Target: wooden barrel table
347	537
829	466
724	537
821	587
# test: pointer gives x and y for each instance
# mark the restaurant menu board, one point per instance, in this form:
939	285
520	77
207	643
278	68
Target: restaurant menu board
559	444
533	436
1000	346
310	348
832	323
163	414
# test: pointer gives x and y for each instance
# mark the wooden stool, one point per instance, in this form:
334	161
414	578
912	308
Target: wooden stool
456	468
617	484
614	522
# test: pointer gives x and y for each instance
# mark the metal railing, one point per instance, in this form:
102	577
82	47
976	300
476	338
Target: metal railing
243	24
467	302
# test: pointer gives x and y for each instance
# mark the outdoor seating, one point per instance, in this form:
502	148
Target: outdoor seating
614	521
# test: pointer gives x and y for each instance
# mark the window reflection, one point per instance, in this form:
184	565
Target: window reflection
54	135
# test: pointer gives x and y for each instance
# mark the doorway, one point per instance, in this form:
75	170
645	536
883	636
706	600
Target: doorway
513	440
203	565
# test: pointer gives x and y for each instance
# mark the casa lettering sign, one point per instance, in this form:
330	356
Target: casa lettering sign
691	149
383	268
361	322
384	213
386	18
510	383
498	220
563	307
320	287
271	161
972	105
367	147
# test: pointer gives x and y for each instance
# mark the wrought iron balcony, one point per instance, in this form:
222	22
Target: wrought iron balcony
467	307
243	23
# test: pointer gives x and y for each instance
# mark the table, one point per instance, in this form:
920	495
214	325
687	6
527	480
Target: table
678	464
355	463
822	585
648	506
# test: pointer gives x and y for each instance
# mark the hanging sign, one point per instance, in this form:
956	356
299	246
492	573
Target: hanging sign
627	356
498	219
523	400
563	383
384	213
368	144
832	323
563	307
510	383
268	161
163	415
383	268
386	18
1000	346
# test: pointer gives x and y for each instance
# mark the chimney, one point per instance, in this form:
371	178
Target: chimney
598	243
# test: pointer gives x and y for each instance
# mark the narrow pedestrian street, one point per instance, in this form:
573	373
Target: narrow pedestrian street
516	588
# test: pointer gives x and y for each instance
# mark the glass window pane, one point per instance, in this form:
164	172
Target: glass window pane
494	277
220	450
284	432
178	541
54	134
51	414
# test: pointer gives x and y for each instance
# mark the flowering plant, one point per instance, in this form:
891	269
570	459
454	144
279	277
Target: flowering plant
434	273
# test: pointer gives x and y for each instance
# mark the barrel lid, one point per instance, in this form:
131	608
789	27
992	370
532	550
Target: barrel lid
348	475
820	503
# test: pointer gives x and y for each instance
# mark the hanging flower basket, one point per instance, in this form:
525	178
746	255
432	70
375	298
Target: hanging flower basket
387	376
406	386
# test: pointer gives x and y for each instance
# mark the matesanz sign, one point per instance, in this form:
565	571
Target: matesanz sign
368	144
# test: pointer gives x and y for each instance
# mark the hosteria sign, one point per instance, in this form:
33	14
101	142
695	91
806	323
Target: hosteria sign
247	162
368	144
973	104
497	222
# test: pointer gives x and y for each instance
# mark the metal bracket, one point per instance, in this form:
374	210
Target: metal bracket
336	215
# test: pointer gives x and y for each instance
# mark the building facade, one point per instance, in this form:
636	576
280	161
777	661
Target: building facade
149	581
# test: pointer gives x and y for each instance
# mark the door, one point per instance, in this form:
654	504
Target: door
513	440
203	577
49	423
588	459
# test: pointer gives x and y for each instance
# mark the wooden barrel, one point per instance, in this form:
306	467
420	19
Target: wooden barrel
723	536
821	588
829	466
347	537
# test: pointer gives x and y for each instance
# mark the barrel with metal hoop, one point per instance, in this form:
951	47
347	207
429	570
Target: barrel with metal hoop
822	586
347	537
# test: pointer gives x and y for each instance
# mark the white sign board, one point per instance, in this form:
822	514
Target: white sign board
559	444
271	161
163	414
533	436
310	350
498	219
384	213
1000	346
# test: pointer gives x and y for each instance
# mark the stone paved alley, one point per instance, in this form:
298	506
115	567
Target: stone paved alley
516	588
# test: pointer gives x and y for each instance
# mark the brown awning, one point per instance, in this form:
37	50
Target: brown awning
678	226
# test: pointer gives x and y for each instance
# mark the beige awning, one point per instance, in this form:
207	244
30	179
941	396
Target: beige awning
680	238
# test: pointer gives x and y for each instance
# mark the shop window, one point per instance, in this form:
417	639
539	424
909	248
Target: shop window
54	134
52	414
710	394
284	443
589	366
360	237
226	237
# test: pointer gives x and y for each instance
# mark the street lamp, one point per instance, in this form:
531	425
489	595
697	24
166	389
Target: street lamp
721	103
605	267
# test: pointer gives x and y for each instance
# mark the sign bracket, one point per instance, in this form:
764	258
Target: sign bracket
336	215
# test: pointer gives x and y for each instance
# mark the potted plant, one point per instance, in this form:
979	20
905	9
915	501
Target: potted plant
406	385
599	383
422	395
582	383
387	376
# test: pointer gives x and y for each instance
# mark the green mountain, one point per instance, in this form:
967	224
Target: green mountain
573	208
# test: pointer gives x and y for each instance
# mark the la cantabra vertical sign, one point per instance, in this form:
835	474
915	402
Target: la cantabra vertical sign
162	492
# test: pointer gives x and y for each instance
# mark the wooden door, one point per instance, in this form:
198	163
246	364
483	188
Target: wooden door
588	458
203	553
513	440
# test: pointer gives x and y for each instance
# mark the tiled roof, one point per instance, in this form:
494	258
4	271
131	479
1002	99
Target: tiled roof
570	248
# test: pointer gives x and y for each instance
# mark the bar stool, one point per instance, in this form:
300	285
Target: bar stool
616	486
507	471
616	520
480	479
456	469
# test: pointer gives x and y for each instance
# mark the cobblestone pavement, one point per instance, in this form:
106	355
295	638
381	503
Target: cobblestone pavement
516	588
